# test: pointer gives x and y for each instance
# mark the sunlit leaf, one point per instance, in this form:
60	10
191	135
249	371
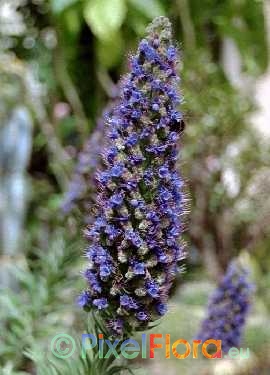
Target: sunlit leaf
150	8
105	16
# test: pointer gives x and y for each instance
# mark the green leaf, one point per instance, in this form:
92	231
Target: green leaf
110	51
59	6
104	16
150	8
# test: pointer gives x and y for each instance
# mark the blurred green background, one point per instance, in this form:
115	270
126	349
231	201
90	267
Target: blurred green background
59	63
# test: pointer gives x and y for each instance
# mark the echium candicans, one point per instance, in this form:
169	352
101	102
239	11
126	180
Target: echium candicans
135	241
228	308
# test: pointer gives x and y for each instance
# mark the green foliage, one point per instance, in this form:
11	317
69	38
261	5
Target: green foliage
105	17
150	8
45	292
242	21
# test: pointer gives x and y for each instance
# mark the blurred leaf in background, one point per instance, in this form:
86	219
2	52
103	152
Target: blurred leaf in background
105	17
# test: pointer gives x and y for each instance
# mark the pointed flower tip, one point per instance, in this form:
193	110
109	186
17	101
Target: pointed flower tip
161	26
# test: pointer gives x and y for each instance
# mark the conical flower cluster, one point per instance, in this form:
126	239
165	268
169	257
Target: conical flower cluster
228	308
134	243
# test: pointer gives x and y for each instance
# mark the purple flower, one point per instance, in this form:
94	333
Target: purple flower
171	53
116	326
84	299
132	140
133	237
117	170
162	257
116	200
139	209
155	107
111	231
128	302
142	315
101	303
228	308
163	172
161	308
138	268
164	194
93	282
105	270
152	289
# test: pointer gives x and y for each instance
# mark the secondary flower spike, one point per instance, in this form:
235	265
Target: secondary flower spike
228	308
81	191
135	241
